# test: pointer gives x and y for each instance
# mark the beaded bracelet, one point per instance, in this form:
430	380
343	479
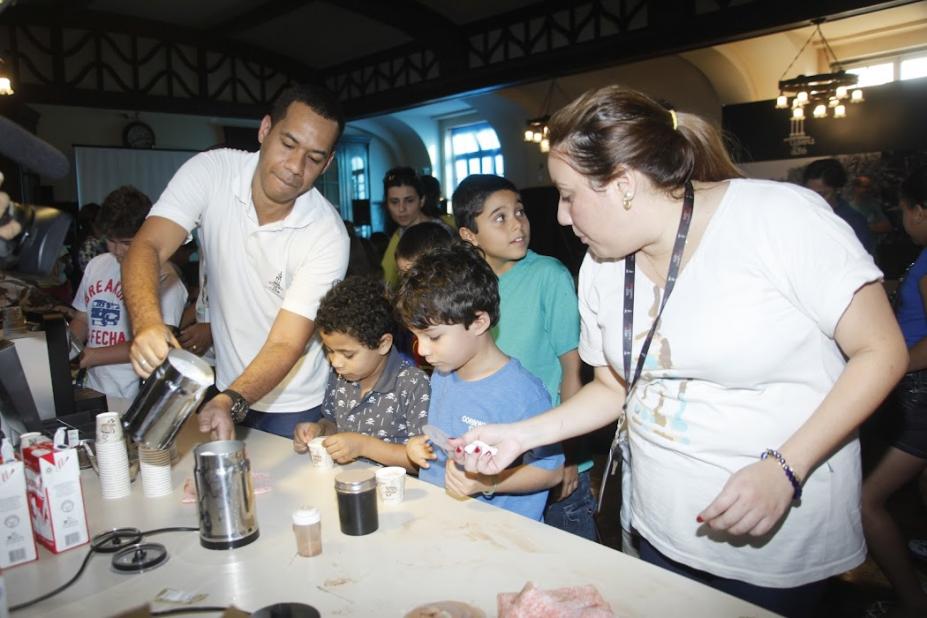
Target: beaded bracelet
789	473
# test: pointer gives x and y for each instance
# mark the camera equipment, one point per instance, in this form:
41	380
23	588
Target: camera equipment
35	249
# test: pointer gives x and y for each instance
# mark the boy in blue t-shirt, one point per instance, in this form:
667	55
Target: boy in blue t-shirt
539	321
449	299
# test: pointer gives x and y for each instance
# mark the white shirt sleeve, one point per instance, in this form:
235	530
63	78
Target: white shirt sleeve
591	343
322	268
812	256
173	297
78	302
187	194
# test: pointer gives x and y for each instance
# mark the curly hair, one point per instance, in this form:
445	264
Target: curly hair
123	212
448	285
358	307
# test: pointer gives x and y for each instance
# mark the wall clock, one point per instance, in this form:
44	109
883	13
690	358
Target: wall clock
137	134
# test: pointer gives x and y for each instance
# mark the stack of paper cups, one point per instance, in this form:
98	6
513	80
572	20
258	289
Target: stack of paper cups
155	467
112	458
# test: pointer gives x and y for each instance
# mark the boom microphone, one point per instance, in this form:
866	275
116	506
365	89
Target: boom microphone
32	152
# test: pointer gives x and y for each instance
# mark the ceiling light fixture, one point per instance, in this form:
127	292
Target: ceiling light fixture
6	86
536	131
825	93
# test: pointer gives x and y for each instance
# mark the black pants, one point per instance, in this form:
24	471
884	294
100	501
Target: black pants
799	602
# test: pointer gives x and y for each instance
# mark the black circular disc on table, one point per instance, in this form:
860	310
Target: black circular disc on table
113	540
287	610
139	558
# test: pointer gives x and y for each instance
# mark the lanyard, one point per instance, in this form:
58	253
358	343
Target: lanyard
628	314
679	246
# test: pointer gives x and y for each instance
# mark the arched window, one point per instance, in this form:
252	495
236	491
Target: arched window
474	149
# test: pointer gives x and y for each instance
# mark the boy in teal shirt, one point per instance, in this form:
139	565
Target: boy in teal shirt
539	322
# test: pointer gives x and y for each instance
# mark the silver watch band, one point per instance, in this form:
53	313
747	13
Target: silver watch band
240	405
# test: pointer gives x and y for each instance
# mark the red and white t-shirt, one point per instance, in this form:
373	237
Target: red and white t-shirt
99	296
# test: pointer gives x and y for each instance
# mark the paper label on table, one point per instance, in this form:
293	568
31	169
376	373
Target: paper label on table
172	595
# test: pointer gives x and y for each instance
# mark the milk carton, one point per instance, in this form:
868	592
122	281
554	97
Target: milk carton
16	542
55	497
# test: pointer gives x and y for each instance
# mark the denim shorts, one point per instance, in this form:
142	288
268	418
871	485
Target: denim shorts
905	422
575	513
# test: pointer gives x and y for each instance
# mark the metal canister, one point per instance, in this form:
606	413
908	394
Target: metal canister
224	495
170	394
357	502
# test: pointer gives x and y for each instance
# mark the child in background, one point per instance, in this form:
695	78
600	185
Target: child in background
375	399
905	427
102	320
449	299
538	323
419	239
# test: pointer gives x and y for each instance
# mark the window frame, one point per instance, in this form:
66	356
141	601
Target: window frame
895	59
473	126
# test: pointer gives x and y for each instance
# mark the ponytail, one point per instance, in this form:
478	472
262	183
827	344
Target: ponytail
607	131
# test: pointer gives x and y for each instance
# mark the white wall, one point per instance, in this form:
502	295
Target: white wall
65	127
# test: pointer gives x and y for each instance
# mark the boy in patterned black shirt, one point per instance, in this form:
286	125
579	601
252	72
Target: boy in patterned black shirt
375	399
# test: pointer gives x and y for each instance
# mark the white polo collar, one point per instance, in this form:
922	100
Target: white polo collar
305	209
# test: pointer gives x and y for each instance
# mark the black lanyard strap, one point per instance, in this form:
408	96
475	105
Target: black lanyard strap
629	269
628	327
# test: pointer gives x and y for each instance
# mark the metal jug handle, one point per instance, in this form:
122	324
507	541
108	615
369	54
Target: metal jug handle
91	456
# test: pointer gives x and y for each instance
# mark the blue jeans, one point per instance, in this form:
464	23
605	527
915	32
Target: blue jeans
798	602
281	423
576	512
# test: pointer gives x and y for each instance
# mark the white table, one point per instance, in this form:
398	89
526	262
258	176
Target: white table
429	548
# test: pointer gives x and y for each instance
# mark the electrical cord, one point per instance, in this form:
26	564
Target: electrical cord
83	566
188	610
61	588
171	529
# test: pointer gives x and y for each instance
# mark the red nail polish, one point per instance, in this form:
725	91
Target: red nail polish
476	450
699	519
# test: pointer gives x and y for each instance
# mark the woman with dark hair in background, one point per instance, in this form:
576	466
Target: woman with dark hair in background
906	424
740	405
405	200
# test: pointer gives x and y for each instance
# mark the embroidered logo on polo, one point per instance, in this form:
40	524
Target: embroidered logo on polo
276	285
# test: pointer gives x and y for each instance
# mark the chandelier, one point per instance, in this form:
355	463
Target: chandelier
826	94
536	131
6	86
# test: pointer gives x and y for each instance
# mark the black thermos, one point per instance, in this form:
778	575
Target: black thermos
357	502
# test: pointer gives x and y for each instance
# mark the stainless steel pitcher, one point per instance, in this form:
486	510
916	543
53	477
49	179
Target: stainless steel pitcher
173	390
224	494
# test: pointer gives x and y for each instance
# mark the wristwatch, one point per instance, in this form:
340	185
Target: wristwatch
239	405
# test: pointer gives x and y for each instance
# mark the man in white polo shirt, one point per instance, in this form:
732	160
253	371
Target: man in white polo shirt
275	246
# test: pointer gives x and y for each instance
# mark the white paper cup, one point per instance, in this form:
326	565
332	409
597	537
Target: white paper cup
109	428
391	484
113	464
155	469
319	454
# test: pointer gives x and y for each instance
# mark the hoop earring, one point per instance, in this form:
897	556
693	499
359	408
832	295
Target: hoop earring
626	202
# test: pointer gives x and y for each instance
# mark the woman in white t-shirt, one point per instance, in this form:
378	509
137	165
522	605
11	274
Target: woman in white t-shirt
776	342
